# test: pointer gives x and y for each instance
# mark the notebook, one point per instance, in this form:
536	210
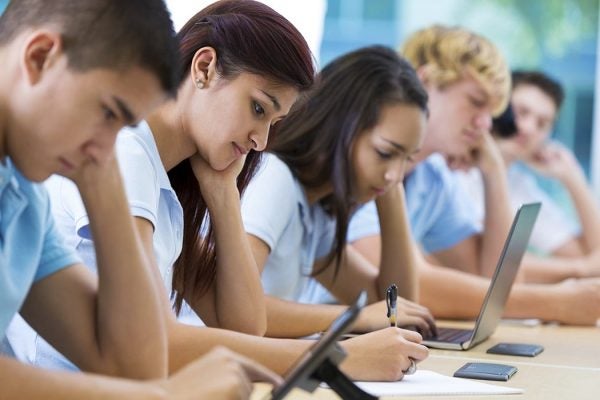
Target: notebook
495	299
429	383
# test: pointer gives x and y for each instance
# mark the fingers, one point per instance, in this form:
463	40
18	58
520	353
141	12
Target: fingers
244	385
430	328
418	324
417	352
412	344
411	336
427	324
383	355
411	368
256	372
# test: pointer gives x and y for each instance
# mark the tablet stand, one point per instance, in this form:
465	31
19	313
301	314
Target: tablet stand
329	373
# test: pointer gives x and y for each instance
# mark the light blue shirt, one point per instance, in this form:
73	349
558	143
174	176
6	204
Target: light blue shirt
275	209
31	247
150	196
440	211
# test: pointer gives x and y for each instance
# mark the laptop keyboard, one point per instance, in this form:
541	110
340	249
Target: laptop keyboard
451	335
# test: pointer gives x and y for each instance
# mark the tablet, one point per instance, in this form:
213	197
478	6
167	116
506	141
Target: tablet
301	371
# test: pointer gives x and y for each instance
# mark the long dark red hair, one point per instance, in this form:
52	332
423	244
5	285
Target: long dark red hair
250	37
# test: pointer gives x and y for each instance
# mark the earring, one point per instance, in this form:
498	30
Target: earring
199	83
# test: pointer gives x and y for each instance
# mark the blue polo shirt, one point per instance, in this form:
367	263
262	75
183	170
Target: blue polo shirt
30	246
440	210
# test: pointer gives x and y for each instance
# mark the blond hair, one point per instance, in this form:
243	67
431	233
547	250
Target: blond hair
451	53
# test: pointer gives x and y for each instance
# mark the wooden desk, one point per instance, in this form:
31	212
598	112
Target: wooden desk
569	367
563	345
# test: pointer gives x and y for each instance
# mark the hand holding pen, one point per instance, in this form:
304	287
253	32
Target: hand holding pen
391	299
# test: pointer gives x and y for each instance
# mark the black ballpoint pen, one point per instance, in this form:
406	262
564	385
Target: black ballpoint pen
391	297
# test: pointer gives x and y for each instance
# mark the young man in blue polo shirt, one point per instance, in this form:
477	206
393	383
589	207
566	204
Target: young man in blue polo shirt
73	74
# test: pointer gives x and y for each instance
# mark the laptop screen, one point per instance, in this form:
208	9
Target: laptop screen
506	271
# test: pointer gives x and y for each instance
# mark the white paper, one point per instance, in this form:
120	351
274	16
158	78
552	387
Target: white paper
429	383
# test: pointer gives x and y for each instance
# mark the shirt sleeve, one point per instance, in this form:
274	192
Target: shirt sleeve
553	227
327	229
139	178
455	220
55	254
364	222
269	201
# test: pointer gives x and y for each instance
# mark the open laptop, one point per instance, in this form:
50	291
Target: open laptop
495	299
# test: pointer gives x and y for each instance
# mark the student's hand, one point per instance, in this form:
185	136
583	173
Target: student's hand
577	301
96	172
588	266
487	156
410	315
383	355
221	374
215	185
554	160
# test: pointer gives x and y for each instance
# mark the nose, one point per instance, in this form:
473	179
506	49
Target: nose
101	144
526	126
483	121
107	141
395	172
259	138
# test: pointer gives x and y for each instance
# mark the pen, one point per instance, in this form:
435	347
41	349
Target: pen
391	298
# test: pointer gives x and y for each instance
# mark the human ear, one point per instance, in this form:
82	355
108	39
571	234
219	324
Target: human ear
203	67
424	74
42	50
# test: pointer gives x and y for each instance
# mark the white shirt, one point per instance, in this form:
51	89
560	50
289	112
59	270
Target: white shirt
553	227
275	209
149	194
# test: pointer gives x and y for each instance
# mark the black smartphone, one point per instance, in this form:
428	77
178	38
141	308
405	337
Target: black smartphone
314	356
516	349
487	371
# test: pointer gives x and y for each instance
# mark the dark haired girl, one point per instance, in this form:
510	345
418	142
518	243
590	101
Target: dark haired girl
346	143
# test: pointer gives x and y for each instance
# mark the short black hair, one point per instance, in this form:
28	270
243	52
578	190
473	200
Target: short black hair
504	125
542	81
114	34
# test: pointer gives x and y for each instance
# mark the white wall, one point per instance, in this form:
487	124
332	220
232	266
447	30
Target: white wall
308	16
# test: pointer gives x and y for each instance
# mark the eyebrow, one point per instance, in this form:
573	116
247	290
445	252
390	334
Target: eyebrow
273	99
401	147
126	113
481	93
396	145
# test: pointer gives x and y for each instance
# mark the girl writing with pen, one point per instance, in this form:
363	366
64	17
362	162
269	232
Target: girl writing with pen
242	67
345	143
